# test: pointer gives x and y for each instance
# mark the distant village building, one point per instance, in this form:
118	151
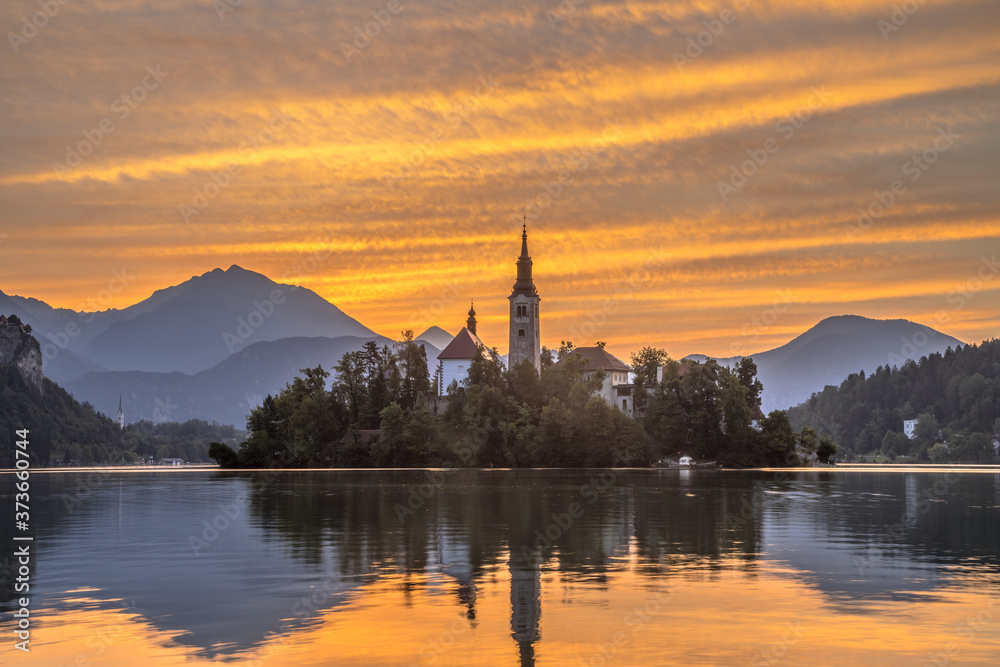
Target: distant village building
454	360
625	395
176	463
910	428
616	376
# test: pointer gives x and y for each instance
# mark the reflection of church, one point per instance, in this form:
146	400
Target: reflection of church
452	557
525	604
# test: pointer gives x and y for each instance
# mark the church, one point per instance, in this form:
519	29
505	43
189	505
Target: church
525	338
525	342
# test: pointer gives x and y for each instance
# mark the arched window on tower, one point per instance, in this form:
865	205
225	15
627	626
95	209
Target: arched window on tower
520	333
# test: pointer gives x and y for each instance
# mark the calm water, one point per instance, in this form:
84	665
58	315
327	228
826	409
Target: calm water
510	568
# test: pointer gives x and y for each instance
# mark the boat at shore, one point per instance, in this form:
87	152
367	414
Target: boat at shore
685	463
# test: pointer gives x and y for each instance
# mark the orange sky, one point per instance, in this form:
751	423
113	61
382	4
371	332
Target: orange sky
390	180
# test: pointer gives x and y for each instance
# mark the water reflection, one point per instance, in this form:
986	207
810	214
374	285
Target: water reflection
223	566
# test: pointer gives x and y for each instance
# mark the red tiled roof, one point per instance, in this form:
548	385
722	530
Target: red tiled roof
463	346
597	357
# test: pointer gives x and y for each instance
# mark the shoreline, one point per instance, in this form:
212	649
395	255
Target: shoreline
842	467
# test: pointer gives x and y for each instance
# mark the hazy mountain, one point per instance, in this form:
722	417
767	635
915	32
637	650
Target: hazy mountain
188	327
224	393
833	349
437	337
62	333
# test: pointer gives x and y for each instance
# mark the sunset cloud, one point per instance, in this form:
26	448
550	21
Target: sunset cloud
708	178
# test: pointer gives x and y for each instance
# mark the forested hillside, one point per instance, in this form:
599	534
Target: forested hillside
65	431
955	396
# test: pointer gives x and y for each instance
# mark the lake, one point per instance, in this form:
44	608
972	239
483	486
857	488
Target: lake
501	567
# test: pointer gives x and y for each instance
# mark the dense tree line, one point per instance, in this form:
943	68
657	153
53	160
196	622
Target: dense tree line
513	417
955	397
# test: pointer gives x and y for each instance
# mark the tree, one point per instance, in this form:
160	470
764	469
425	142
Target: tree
265	445
484	370
938	453
645	364
927	429
746	371
223	455
351	386
808	440
826	449
894	441
407	438
524	385
778	439
413	370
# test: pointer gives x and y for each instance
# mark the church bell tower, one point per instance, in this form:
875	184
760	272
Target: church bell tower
524	336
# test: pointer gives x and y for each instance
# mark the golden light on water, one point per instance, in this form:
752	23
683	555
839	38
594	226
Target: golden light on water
690	617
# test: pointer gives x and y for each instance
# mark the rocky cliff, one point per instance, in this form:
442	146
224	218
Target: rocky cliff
19	348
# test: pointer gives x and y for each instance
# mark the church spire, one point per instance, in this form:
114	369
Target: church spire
470	323
524	284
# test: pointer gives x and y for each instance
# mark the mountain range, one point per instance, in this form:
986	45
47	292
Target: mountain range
212	347
188	327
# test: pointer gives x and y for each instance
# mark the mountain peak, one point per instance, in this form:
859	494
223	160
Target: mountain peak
436	336
835	347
